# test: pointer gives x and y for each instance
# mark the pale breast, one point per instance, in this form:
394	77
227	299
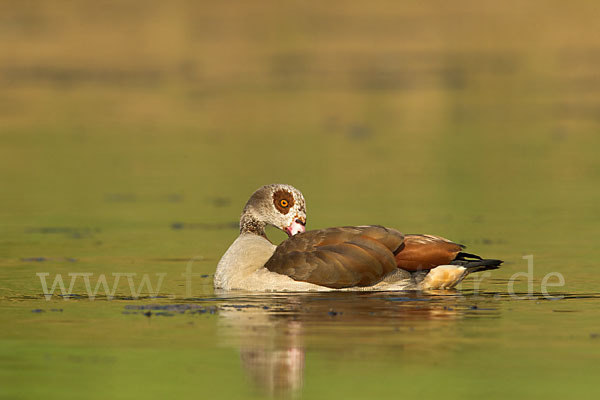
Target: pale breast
247	254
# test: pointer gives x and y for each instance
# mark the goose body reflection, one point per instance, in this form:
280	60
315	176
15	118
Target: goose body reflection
274	332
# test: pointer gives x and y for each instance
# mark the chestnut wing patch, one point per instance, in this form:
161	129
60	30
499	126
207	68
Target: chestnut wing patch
338	257
424	252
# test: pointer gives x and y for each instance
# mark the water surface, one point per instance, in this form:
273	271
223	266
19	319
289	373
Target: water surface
132	133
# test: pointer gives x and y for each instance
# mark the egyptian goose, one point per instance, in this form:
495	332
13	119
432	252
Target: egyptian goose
343	258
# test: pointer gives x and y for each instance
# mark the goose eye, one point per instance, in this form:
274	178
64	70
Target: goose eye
283	203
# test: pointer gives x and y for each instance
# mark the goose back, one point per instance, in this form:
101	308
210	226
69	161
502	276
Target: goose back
338	257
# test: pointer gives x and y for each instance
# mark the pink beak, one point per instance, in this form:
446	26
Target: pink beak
296	227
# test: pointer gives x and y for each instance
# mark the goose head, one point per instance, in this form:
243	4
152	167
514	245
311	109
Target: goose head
279	205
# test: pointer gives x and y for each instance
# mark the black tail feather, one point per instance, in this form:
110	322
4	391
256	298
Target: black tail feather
465	256
478	264
472	262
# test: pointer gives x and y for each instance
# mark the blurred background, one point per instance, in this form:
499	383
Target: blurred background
429	116
124	123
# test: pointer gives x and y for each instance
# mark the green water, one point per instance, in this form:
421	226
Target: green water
132	133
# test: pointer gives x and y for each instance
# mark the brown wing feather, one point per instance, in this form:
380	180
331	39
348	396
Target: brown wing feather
422	252
338	257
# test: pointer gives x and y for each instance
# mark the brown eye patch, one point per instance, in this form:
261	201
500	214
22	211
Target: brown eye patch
283	201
